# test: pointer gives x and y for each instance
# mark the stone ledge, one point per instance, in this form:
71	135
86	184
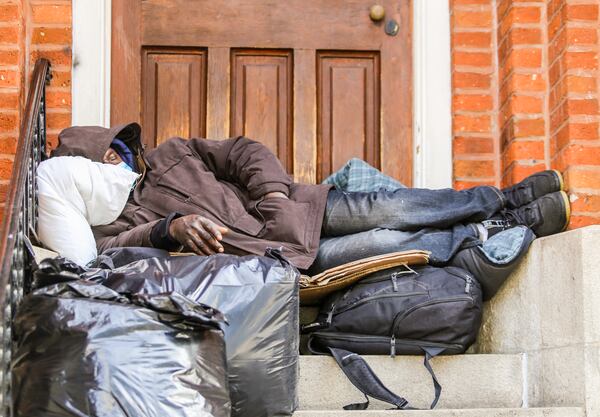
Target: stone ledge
549	309
468	381
483	412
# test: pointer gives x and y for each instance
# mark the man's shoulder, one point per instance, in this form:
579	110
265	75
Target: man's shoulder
171	147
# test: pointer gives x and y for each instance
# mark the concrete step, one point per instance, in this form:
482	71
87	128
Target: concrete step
479	412
468	381
549	309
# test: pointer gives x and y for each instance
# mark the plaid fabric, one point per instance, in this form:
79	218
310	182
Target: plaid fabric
357	175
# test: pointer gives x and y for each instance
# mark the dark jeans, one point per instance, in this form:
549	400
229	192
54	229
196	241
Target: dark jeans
359	225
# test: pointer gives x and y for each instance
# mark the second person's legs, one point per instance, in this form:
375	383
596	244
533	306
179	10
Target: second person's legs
408	209
442	243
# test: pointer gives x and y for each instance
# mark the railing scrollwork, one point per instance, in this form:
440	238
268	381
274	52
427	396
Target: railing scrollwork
20	220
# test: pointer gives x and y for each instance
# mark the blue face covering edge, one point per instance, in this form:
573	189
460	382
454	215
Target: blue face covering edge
125	166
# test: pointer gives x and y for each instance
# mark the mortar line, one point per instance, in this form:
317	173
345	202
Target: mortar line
496	129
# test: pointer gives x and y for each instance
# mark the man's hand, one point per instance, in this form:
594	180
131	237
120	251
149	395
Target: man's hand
198	233
275	194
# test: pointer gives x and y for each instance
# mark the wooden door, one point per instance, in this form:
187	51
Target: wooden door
317	81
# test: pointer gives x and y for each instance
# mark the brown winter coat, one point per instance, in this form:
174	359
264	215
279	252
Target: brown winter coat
223	180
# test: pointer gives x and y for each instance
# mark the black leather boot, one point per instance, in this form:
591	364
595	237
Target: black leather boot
546	216
533	187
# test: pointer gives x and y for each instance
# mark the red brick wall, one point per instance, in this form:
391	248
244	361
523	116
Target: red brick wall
574	84
12	57
474	88
525	89
30	29
49	36
523	83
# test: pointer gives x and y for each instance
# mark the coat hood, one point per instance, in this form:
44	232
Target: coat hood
92	142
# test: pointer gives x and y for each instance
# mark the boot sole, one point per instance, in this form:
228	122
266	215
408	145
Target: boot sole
565	198
561	180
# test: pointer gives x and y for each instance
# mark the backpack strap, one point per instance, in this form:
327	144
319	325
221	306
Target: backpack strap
429	354
364	378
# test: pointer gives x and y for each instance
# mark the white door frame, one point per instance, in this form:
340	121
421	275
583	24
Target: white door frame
432	118
432	94
90	77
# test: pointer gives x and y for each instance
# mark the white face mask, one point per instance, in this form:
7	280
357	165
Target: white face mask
125	166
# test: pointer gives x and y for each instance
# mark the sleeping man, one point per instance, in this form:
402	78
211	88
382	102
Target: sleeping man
233	196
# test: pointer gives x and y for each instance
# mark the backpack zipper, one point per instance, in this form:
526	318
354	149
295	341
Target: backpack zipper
383	339
393	346
377	297
394	282
330	315
384	277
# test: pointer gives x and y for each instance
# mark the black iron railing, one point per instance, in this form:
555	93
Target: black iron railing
20	220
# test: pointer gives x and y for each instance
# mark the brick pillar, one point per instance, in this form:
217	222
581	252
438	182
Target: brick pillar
523	115
574	86
49	36
474	86
11	96
542	94
30	29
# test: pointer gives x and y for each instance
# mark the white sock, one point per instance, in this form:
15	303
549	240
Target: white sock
483	232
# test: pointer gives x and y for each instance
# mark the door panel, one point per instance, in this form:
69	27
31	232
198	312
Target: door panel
174	94
261	99
318	82
348	106
295	24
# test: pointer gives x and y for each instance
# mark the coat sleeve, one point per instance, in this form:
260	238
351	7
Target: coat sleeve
152	234
245	162
117	235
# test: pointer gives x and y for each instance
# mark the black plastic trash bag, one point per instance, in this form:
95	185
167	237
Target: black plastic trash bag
84	350
258	296
54	271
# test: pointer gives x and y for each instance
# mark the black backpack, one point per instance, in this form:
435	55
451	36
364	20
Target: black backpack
424	310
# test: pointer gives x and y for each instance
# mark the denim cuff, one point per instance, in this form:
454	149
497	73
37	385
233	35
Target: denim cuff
500	195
